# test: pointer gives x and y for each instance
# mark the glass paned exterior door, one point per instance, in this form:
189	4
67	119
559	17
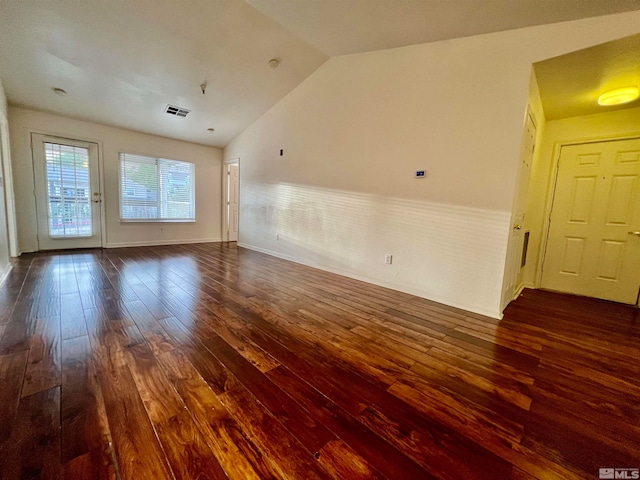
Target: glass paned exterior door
68	196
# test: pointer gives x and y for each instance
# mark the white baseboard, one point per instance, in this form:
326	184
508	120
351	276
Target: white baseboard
401	288
4	273
147	243
523	286
155	243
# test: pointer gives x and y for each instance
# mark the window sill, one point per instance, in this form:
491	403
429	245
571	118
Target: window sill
155	221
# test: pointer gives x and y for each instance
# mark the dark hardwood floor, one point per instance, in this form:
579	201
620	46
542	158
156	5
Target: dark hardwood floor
211	361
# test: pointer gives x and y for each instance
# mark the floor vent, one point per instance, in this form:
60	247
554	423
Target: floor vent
177	111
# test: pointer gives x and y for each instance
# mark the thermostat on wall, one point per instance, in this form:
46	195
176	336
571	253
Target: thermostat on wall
421	173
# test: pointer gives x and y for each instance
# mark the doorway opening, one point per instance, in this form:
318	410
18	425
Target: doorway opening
519	236
583	201
231	200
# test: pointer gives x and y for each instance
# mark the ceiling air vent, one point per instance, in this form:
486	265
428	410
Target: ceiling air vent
177	111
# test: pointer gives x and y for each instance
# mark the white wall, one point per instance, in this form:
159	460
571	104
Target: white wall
111	141
356	130
618	124
5	266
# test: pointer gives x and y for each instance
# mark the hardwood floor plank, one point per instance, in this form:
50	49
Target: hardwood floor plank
12	369
512	452
19	329
85	433
136	445
376	451
237	455
342	461
297	420
158	395
90	466
288	457
33	450
233	336
214	361
43	367
158	340
188	453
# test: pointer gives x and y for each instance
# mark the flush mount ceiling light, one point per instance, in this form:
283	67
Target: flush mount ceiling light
59	91
618	96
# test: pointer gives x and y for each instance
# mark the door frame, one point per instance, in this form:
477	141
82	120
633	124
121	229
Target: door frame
225	195
12	228
65	136
508	291
551	192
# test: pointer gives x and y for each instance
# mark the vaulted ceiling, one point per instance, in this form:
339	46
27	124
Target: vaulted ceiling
122	63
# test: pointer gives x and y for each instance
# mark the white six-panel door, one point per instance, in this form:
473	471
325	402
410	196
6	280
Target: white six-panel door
593	246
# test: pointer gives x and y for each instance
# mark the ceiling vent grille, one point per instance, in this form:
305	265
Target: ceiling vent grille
177	111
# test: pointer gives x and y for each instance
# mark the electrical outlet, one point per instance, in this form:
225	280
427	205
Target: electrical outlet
388	258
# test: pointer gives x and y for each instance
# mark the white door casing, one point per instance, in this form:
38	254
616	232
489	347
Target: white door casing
514	274
233	203
591	246
4	226
9	199
521	200
67	191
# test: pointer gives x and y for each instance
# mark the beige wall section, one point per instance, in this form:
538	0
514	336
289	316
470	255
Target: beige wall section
111	141
619	124
343	194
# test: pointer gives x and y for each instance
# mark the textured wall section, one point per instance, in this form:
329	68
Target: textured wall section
353	135
443	252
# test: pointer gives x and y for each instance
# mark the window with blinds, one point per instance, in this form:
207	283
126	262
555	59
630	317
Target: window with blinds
156	189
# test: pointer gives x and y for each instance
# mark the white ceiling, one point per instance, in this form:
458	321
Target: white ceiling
123	62
340	27
571	84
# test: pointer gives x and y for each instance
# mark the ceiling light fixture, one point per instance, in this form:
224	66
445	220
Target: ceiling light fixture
618	96
274	62
59	91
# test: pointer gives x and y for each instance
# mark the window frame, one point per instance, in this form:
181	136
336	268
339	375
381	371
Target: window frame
122	157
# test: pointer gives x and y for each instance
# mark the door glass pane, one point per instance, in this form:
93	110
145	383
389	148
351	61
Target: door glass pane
68	191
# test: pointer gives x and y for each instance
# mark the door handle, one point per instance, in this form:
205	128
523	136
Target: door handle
636	233
517	227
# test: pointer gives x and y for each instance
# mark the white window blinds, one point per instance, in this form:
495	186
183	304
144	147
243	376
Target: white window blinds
156	189
68	191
